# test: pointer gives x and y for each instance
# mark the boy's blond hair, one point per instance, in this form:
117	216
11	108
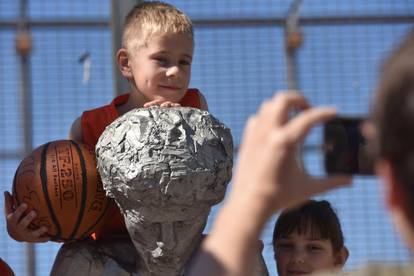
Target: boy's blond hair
149	18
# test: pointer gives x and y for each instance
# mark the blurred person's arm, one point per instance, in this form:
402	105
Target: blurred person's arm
268	178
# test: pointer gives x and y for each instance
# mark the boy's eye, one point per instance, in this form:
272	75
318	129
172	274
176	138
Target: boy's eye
185	62
161	60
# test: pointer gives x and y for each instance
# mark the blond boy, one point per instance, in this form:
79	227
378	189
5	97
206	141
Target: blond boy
156	57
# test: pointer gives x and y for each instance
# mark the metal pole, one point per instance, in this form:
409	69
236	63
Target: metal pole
120	9
23	48
57	23
293	40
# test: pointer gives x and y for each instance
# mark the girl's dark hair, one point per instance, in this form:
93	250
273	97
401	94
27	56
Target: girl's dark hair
317	217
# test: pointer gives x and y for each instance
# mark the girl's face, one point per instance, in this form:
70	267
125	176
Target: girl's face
301	254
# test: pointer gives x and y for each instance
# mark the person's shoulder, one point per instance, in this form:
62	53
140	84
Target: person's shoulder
379	269
75	132
202	99
376	269
96	109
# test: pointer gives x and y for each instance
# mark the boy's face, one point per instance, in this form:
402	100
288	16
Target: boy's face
301	254
161	69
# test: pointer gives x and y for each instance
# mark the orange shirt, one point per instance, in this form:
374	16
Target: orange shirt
5	269
93	124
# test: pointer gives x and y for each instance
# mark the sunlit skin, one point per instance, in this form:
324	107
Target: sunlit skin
160	70
302	254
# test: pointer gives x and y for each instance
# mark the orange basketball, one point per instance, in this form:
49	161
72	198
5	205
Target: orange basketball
59	180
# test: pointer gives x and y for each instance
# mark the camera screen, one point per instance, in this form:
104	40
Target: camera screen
345	149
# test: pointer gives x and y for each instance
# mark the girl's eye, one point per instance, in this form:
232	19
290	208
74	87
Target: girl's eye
315	248
284	246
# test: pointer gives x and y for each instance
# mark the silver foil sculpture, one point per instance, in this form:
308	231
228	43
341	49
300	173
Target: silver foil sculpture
165	168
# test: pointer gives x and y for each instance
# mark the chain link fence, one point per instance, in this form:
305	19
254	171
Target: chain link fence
240	60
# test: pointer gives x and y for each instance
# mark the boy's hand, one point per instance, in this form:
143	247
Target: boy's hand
161	103
18	225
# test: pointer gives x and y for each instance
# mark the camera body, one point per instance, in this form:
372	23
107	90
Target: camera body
345	149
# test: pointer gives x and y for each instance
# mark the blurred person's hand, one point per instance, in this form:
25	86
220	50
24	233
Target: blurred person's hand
269	173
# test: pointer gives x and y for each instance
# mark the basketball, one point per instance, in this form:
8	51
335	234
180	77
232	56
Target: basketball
59	180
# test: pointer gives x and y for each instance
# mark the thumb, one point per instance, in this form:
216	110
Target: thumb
8	203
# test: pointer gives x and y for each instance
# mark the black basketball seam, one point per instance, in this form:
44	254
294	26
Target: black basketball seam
73	178
43	178
58	175
14	186
84	190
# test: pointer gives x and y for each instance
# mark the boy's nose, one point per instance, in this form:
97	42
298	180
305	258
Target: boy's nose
172	71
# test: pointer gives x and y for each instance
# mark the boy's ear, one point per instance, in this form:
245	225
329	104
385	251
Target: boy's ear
342	256
122	60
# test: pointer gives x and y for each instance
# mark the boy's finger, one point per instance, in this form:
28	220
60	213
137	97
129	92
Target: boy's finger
26	220
39	234
43	239
17	214
151	103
